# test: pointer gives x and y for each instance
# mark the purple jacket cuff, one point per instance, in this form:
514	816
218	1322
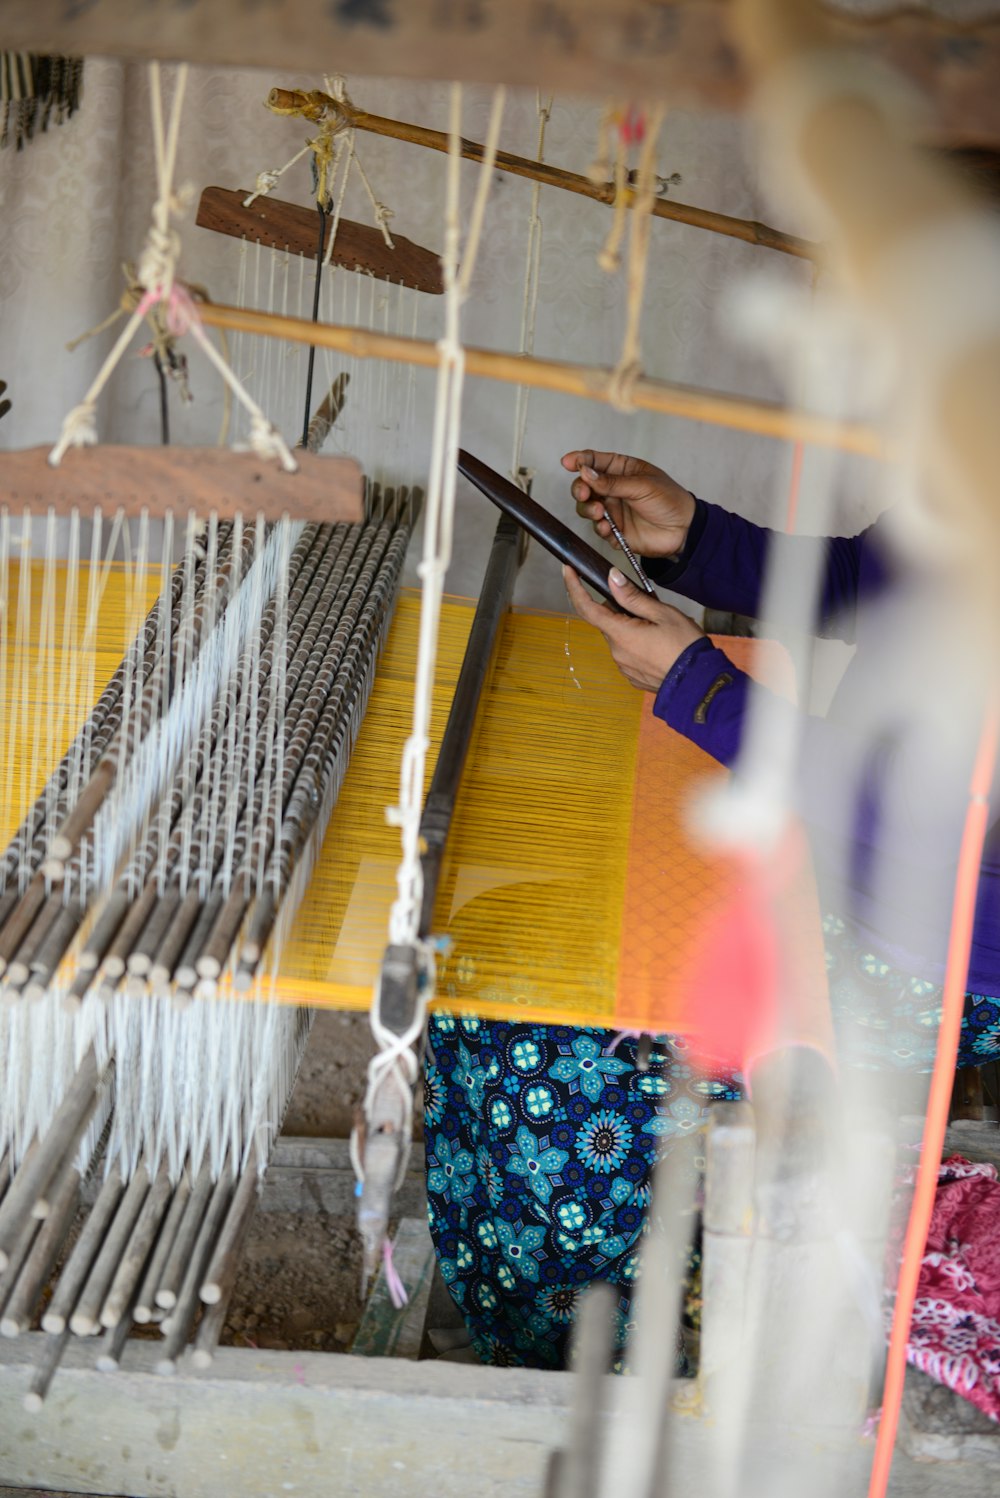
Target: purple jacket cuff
703	697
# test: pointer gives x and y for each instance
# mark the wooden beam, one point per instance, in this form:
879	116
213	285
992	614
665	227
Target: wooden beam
326	1425
157	479
678	49
284	101
292	227
590	382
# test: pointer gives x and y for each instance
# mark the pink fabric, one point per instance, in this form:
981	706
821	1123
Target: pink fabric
955	1331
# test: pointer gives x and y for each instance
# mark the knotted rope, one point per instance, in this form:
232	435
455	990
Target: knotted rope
155	287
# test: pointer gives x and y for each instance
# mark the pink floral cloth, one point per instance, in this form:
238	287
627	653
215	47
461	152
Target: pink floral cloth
955	1332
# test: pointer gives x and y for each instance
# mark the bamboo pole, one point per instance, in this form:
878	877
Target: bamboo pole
294	101
591	382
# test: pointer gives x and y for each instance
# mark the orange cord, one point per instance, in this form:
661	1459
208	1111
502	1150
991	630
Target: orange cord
794	485
939	1097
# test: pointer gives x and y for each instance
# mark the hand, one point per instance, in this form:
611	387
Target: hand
652	512
646	641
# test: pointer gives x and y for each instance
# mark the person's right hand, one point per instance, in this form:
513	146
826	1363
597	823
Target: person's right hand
650	509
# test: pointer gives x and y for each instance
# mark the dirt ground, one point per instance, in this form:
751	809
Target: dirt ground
331	1079
300	1283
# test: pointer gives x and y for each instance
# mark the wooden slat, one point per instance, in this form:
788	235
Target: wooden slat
289	226
180	479
679	49
386	1332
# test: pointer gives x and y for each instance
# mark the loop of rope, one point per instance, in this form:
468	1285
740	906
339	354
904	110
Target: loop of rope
621	383
155	295
529	305
268	181
396	1061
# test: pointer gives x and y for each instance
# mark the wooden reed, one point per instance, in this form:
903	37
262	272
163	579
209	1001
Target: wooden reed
292	228
590	382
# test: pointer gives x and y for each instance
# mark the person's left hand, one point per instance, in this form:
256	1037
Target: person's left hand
646	641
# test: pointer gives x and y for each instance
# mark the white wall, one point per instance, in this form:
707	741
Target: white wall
75	204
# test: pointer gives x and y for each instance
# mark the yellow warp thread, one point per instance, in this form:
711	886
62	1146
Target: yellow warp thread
531	893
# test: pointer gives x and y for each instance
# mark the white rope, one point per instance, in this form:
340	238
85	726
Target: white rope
267	181
529	303
395	1062
156	264
156	274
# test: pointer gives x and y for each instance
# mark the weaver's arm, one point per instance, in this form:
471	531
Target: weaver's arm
722	562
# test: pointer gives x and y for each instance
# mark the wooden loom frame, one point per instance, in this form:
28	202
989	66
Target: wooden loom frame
158	1436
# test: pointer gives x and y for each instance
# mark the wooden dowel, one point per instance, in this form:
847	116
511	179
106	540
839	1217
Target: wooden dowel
104	931
77	1266
221	1273
591	382
181	1319
180	1250
19	921
86	1318
132	926
19	967
140	959
145	1308
749	230
45	1372
40	1165
54	948
186	976
172	945
44	1252
17	1257
125	1285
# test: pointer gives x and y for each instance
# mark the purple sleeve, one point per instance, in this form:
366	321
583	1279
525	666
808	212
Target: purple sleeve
705	698
722	567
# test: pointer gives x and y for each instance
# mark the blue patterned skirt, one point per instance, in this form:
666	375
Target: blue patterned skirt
541	1140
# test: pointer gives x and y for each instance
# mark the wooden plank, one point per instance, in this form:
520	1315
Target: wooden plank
290	226
678	49
388	1332
202	479
325	1425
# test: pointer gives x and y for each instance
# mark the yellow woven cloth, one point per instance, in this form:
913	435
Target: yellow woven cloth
554	825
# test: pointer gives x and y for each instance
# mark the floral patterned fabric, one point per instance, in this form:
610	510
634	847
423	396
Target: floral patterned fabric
540	1141
887	1020
955	1331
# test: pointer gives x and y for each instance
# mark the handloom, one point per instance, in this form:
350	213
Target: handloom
139	1220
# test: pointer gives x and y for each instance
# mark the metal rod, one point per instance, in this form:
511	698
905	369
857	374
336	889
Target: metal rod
315	317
